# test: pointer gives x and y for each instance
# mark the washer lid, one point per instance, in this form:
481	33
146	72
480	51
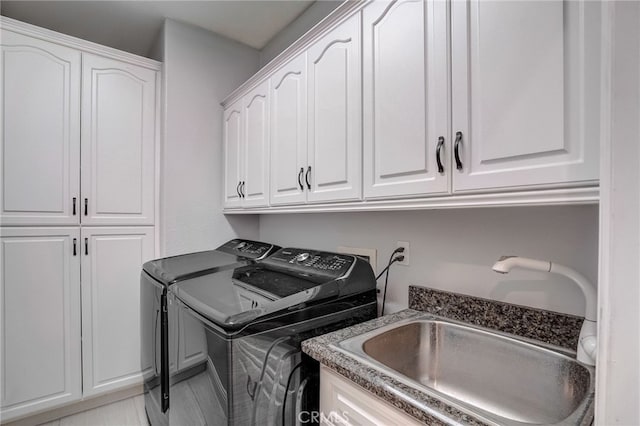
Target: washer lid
236	252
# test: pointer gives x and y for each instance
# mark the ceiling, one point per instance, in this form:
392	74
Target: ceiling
134	26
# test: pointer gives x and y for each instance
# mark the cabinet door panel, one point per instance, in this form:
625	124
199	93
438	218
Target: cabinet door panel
405	97
112	259
40	301
288	132
525	92
256	146
40	112
232	155
334	108
118	142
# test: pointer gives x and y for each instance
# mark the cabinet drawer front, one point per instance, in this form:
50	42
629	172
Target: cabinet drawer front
40	153
118	142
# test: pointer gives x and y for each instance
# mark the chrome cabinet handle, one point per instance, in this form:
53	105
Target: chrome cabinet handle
75	240
74	206
438	150
455	150
300	178
86	246
242	189
238	189
86	206
306	178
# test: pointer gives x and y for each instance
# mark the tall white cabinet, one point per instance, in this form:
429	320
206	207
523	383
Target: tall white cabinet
77	210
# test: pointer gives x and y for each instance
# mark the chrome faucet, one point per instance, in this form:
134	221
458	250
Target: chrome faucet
587	342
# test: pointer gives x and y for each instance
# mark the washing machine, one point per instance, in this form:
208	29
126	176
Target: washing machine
247	326
172	341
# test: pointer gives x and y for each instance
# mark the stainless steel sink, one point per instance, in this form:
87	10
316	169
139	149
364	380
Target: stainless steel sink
498	378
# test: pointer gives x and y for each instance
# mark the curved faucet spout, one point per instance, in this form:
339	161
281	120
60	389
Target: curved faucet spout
588	333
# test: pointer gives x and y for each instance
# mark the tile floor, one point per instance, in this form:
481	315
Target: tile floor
128	412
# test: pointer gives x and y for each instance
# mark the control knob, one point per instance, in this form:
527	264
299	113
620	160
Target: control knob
302	257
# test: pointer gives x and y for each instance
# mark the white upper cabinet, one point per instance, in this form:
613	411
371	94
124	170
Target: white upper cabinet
405	98
289	132
112	259
40	113
255	155
334	156
246	150
118	142
40	339
232	155
525	92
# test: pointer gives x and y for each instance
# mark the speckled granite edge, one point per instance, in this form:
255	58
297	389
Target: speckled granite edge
435	411
546	326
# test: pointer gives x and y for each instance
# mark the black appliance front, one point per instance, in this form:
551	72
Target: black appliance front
160	319
238	359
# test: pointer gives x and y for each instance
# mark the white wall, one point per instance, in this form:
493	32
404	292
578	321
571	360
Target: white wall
454	249
303	23
200	70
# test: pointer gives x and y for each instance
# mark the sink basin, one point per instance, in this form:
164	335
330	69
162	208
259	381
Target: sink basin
498	378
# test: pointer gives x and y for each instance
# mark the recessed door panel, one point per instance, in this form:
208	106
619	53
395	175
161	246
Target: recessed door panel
118	142
525	93
405	98
289	132
111	305
40	319
40	155
256	146
335	141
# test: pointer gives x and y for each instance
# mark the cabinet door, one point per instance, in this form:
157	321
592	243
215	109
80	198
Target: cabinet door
40	113
192	340
405	92
112	259
289	132
255	114
525	79
232	155
345	403
334	110
118	142
40	302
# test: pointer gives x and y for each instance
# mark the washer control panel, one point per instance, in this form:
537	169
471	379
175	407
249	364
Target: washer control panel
312	262
246	248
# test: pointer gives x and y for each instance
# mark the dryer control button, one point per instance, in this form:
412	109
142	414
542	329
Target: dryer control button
302	257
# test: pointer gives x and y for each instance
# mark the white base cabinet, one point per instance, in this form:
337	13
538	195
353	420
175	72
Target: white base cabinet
40	301
343	403
112	259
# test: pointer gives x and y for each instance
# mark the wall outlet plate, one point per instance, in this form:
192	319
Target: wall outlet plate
405	253
370	255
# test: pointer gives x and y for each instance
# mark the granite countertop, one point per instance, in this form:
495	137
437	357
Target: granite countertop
547	327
